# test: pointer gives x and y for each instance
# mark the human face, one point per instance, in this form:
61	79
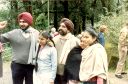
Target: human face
23	24
86	40
42	41
63	29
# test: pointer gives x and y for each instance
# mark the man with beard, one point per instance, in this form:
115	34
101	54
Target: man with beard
64	42
23	42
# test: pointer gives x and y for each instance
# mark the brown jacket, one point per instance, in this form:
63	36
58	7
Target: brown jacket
123	37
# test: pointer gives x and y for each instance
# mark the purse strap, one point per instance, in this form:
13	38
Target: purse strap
37	52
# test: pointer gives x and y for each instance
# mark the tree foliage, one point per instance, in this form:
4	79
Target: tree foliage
84	13
41	22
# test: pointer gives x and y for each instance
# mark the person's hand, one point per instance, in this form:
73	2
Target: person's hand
50	43
51	82
3	24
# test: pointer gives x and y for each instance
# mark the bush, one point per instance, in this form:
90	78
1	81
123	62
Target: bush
114	24
7	54
41	22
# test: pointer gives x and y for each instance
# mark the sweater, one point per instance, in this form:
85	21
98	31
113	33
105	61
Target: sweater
20	44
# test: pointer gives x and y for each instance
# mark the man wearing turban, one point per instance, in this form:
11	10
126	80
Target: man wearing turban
23	41
64	42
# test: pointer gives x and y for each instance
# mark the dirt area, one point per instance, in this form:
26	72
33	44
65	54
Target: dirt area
114	80
6	79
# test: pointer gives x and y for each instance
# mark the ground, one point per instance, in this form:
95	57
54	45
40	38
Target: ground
114	80
6	79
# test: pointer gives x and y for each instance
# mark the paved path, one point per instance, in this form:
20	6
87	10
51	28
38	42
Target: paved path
7	77
114	80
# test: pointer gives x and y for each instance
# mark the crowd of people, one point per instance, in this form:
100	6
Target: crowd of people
57	57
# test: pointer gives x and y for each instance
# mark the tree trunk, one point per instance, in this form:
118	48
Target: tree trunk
13	13
84	22
92	20
27	5
92	17
104	4
55	14
66	12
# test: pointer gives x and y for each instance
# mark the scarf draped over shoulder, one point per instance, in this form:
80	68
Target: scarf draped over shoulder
34	45
94	63
71	42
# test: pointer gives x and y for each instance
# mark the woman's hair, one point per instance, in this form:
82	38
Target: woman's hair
46	35
92	33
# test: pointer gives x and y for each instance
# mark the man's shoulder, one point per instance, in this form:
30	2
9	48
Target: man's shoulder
33	29
56	37
14	31
74	38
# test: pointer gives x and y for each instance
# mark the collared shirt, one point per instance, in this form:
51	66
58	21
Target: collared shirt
47	61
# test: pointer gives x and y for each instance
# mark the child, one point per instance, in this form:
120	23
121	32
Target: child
47	61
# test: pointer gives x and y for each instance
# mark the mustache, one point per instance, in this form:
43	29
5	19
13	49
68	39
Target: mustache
60	30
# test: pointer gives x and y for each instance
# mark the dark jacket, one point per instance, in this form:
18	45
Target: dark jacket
101	39
72	65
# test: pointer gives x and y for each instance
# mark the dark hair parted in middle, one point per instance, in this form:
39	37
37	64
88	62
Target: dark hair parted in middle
46	35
